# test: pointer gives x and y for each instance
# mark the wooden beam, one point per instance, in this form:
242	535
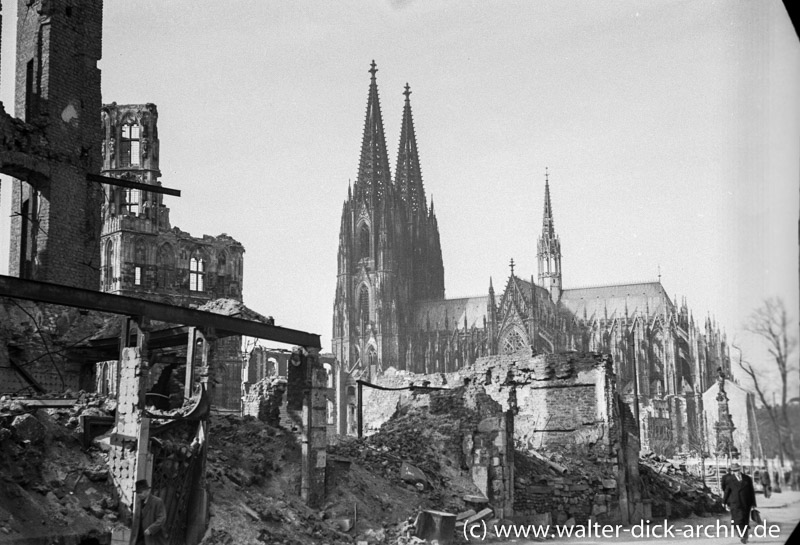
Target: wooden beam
130	306
97	178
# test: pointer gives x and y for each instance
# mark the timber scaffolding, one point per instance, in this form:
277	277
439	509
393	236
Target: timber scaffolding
176	469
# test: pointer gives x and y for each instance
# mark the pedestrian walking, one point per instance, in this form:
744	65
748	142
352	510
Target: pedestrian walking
739	497
149	517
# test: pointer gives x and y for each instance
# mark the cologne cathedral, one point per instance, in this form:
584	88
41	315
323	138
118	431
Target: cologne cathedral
390	309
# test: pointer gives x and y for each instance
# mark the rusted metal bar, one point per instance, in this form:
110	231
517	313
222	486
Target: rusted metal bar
130	306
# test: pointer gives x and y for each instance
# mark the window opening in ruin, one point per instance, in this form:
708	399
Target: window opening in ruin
29	90
129	145
132	197
331	412
137	276
197	272
363	241
109	266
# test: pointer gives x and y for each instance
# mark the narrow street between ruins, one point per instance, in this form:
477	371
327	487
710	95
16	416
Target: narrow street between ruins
781	513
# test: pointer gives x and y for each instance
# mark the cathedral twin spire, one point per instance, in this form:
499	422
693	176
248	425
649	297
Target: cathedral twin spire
374	176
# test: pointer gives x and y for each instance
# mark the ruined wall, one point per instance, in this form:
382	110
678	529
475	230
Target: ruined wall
40	337
266	401
55	224
564	405
563	401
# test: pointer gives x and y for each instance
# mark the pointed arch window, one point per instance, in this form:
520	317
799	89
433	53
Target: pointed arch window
129	145
197	274
108	272
363	241
132	197
363	307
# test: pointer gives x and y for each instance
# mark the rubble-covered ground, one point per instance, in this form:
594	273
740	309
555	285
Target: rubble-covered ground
50	485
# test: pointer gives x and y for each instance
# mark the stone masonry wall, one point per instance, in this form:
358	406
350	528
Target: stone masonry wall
564	405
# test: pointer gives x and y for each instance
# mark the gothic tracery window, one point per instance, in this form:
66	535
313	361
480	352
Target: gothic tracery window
513	342
129	145
363	241
363	307
197	274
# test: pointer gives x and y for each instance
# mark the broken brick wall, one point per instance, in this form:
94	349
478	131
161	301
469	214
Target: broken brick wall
55	143
485	426
41	339
265	400
562	401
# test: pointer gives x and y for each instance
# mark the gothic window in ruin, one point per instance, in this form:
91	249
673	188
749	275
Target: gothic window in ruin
132	197
108	272
363	241
221	263
129	145
513	342
197	274
137	276
165	263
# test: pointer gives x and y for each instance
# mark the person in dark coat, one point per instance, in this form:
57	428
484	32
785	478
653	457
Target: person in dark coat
765	482
149	517
740	497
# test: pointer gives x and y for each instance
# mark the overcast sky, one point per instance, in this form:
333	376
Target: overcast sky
671	131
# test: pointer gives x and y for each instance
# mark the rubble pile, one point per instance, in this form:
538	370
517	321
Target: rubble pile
565	487
50	486
253	471
428	434
676	493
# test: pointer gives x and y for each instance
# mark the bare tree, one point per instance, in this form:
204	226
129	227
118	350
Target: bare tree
771	323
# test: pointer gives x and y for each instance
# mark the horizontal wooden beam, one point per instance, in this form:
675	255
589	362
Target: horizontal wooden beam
97	178
171	314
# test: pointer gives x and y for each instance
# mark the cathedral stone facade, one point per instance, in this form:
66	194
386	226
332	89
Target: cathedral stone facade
390	310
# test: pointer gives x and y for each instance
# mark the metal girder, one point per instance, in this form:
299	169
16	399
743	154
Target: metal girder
97	178
130	306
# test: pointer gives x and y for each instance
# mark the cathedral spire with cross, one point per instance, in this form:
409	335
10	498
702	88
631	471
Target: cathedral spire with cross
549	247
374	177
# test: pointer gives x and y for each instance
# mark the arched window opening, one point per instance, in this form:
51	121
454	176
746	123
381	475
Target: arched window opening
197	274
108	276
129	145
165	262
363	308
363	241
132	198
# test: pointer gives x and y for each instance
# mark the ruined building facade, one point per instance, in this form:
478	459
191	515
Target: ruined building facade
51	146
142	254
390	310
